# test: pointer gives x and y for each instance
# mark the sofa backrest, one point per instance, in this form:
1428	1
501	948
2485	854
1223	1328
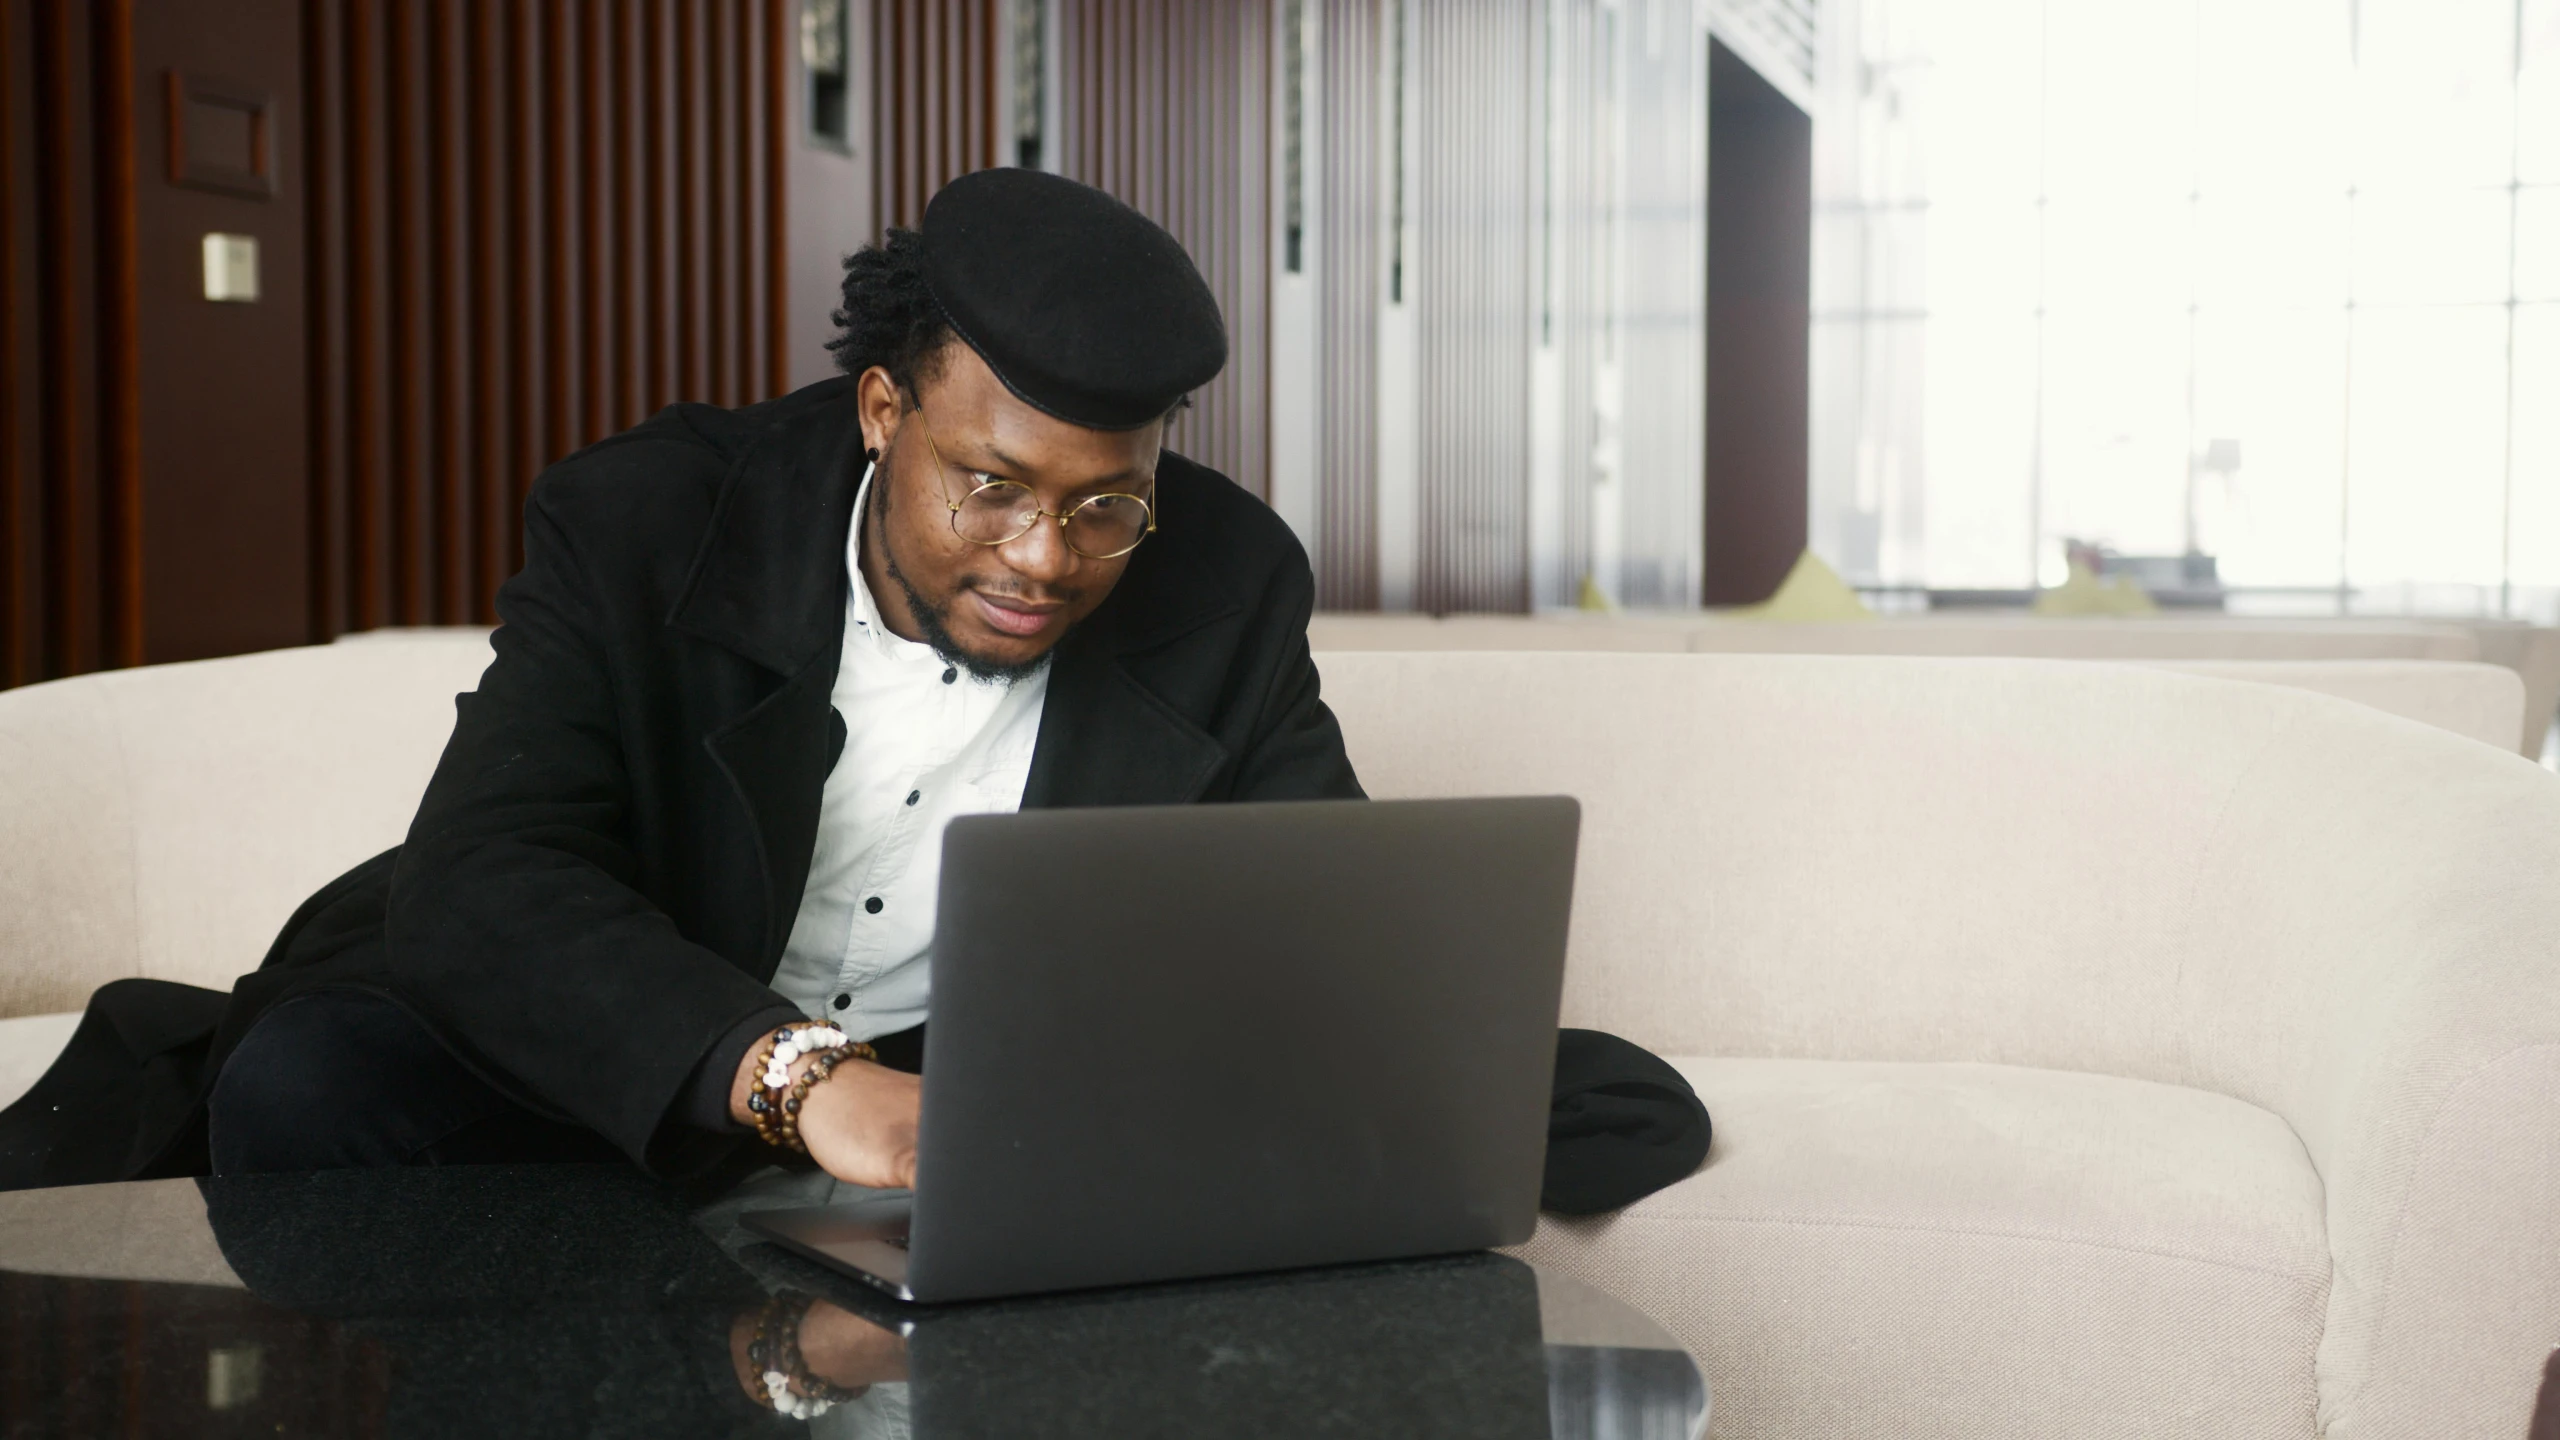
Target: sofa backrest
2484	702
165	821
2096	867
2172	637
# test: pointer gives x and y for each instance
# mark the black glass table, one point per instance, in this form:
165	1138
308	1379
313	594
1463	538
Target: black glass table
506	1301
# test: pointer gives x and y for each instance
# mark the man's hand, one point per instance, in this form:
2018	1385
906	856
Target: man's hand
859	1123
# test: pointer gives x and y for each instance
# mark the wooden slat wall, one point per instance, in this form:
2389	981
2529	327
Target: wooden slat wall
938	109
531	224
70	439
1167	105
1349	273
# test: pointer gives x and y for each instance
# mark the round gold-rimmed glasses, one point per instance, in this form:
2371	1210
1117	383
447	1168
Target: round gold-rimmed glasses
999	512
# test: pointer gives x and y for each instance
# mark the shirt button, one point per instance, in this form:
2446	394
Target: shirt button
914	795
950	673
872	904
844	1002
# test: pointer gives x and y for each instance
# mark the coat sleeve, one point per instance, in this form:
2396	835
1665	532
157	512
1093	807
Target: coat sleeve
517	927
1295	750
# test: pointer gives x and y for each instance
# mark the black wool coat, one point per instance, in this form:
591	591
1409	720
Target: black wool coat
609	860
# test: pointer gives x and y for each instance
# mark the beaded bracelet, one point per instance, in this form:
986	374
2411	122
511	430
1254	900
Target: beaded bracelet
775	1125
819	1070
774	1354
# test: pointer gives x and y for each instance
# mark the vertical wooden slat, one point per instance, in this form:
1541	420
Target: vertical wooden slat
119	330
744	57
450	217
485	107
719	113
320	136
657	113
692	375
409	341
360	68
595	219
530	148
559	238
623	355
14	600
778	30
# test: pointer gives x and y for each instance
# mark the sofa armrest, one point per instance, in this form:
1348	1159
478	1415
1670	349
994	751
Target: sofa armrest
2421	929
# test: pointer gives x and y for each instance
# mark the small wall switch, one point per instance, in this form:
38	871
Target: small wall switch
231	267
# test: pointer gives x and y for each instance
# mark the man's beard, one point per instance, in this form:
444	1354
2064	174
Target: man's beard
934	620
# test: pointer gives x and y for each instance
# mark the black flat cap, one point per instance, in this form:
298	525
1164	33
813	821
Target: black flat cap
1085	308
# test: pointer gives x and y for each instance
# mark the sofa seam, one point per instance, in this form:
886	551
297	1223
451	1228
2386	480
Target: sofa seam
2318	1277
2400	1215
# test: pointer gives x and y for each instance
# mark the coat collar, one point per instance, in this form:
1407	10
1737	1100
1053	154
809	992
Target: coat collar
769	578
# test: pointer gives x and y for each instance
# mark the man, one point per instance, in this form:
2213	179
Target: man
753	664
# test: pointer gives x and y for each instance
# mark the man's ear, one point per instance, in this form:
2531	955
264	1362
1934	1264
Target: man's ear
877	402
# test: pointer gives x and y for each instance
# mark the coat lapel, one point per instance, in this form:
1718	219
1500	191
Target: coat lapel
1109	735
769	585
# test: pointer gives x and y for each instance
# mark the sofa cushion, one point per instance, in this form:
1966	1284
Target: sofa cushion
1978	1250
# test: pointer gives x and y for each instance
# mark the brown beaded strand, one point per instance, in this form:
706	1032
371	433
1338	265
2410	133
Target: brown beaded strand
776	1109
774	1123
825	1065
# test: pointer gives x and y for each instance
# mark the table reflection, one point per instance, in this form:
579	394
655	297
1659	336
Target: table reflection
531	1301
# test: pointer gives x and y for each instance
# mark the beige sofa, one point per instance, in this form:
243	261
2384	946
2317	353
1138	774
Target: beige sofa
2531	653
2094	1050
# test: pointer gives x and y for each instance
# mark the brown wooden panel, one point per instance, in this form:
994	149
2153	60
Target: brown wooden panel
16	212
692	337
216	515
497	230
322	86
484	100
780	26
66	340
450	408
520	39
721	195
119	331
935	111
624	354
657	110
744	55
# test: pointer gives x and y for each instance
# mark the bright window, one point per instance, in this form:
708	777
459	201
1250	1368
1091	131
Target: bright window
2074	259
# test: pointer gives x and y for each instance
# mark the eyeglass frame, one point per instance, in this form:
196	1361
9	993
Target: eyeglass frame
942	470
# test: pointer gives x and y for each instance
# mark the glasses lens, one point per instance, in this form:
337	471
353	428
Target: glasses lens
1107	526
996	512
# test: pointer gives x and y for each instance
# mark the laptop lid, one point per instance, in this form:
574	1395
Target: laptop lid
1195	1040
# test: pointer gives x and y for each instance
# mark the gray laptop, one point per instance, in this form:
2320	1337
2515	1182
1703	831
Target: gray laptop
1195	1040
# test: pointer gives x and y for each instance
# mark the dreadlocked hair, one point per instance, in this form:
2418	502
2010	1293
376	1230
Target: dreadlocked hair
890	318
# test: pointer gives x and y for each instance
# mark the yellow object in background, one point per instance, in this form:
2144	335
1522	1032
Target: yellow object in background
1812	591
2083	593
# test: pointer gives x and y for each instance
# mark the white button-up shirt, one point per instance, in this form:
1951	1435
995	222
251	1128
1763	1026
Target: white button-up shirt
924	742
